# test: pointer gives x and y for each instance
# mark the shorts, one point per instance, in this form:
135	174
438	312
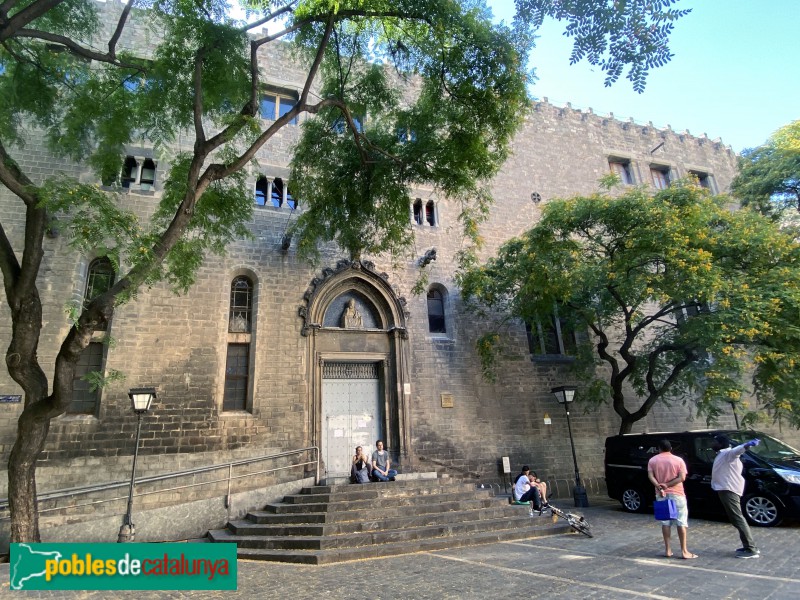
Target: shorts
683	512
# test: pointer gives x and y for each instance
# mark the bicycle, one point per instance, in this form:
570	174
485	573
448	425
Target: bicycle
577	522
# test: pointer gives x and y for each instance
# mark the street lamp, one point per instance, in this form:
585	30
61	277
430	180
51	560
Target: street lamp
140	403
566	394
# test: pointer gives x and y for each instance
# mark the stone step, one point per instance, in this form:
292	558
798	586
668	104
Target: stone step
333	555
333	523
390	486
266	526
348	511
374	491
255	539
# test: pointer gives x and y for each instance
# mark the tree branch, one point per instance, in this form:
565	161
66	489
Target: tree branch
269	17
218	171
76	48
33	11
123	18
197	106
658	392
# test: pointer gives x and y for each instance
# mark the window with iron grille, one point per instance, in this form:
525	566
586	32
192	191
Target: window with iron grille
237	369
241	305
86	400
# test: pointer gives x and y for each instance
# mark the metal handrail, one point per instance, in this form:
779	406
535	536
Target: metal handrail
71	492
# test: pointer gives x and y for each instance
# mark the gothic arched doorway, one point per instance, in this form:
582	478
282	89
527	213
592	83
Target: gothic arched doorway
357	345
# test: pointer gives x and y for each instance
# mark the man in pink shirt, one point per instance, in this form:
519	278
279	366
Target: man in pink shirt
667	473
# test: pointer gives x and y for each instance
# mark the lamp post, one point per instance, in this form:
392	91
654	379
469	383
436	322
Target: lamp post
140	403
566	394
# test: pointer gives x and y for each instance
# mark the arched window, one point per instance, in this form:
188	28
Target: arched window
262	191
240	341
99	279
418	214
277	192
147	179
85	394
430	213
130	171
241	305
436	320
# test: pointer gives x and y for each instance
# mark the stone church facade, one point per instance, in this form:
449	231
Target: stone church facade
267	353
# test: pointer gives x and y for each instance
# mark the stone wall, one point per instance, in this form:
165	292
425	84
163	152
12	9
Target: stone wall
178	343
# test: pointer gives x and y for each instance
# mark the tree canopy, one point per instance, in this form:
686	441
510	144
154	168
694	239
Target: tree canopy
425	91
769	175
681	299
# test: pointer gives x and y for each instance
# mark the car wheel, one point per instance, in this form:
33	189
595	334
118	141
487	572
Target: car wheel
632	500
762	511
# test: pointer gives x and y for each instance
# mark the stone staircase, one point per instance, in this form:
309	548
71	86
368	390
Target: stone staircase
334	523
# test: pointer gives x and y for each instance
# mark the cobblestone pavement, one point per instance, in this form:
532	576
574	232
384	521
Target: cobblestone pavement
622	561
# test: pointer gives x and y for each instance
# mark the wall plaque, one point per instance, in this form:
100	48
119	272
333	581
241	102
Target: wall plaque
10	399
506	465
447	400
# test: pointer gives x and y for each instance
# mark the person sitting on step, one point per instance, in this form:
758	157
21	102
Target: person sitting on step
526	492
359	472
381	464
526	473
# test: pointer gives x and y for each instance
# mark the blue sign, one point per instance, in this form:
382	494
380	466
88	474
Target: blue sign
10	399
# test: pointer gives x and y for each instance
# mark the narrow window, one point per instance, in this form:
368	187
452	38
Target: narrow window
284	106
99	280
418	215
269	107
86	400
660	177
430	213
277	192
436	322
262	191
241	305
130	170
622	169
237	368
148	176
290	200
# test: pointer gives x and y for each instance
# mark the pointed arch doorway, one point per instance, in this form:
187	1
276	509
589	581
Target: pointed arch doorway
357	345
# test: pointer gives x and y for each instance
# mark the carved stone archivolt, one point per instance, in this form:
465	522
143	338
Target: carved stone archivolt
361	279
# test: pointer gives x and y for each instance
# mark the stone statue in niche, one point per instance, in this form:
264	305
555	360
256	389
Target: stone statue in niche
351	318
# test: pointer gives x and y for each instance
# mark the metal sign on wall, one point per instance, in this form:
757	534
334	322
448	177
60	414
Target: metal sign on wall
12	399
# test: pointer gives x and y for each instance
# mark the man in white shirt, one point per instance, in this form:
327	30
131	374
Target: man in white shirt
527	492
727	481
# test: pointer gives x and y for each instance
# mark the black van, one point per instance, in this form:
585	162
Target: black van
771	472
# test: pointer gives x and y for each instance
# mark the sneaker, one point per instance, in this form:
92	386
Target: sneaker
392	479
748	554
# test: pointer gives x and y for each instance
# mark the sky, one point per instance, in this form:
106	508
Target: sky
735	74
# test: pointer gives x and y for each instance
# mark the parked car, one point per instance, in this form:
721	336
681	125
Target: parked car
771	472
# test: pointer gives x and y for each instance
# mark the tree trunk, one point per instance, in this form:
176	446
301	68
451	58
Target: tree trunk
626	424
22	500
